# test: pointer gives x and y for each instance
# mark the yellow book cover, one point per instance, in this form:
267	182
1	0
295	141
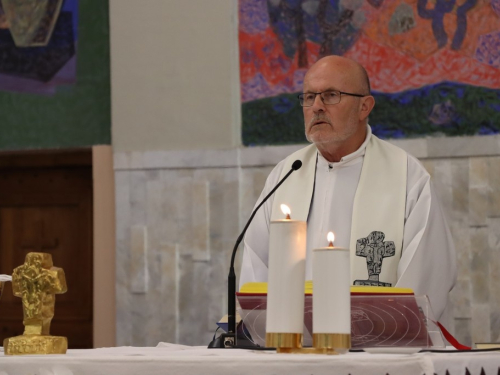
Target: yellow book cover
261	288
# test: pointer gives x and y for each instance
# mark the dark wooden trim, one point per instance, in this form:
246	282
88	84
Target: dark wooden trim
46	158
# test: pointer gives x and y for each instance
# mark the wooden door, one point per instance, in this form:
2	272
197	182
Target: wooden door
46	206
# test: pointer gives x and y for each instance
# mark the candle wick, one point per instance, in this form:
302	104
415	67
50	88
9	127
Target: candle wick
287	217
330	244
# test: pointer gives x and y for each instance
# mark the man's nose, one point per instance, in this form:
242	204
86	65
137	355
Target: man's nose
318	104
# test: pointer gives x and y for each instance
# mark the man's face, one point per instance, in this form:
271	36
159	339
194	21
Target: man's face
335	123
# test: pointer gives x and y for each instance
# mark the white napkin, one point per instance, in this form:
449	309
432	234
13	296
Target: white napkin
4	278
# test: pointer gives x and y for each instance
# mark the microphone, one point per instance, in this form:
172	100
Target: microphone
228	340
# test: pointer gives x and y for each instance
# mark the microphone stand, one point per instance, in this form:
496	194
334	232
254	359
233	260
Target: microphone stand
228	340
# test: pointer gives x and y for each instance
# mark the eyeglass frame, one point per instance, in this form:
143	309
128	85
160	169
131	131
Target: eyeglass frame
323	100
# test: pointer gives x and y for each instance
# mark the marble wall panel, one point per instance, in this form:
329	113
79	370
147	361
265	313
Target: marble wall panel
138	259
494	184
139	316
137	181
494	276
169	293
478	172
155	294
480	262
231	205
190	314
460	299
123	305
481	323
461	238
442	181
200	216
478	205
463	331
460	189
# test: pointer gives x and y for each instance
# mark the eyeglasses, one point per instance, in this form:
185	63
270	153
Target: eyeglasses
327	97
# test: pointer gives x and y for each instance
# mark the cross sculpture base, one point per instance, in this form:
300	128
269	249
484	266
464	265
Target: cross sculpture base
35	344
37	282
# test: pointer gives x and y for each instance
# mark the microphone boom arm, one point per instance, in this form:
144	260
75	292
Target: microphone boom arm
230	339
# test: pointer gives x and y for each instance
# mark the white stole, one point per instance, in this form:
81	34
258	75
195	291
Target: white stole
378	211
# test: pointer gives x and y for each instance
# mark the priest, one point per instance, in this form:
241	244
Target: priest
376	198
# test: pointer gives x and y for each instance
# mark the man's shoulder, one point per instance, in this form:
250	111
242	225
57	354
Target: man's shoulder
301	153
415	168
387	145
287	162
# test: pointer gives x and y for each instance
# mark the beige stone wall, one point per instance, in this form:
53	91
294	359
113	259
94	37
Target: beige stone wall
469	189
174	74
179	213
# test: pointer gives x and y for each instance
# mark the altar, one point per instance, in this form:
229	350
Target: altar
185	360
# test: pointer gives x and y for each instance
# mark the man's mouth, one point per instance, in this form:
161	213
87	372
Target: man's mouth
320	122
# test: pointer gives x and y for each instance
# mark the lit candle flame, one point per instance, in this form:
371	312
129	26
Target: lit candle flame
330	238
286	211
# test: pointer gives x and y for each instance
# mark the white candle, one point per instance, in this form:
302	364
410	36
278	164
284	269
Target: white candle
331	290
287	257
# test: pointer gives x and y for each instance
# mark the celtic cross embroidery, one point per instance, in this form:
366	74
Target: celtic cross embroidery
374	249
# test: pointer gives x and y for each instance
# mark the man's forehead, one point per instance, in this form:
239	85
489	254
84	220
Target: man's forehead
326	79
331	75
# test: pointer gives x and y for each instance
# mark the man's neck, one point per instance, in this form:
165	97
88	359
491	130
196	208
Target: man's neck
335	151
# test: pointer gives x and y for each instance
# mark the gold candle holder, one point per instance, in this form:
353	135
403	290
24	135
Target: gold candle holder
323	343
284	342
337	343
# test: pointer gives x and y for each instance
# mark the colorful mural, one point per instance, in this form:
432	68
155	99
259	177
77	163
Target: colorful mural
37	45
434	65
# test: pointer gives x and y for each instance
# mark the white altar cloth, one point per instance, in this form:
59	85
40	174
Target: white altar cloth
185	360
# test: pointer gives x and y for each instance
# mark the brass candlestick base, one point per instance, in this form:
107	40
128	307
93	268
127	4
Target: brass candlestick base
323	343
35	344
284	341
308	351
338	342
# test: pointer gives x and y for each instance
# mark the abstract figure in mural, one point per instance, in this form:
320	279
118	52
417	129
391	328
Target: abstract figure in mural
402	20
37	39
437	15
321	21
31	21
374	249
443	113
287	19
331	30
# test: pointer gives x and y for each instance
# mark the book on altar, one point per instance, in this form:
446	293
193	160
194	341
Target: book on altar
380	317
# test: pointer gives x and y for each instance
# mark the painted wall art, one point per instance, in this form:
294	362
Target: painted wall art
38	41
434	65
55	89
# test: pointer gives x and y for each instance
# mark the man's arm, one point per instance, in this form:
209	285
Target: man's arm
256	241
428	260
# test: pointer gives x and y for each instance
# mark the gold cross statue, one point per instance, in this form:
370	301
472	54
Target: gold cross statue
37	282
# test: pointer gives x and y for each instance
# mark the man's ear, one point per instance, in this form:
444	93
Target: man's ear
367	104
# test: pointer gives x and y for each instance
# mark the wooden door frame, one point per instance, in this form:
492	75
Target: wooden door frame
104	326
